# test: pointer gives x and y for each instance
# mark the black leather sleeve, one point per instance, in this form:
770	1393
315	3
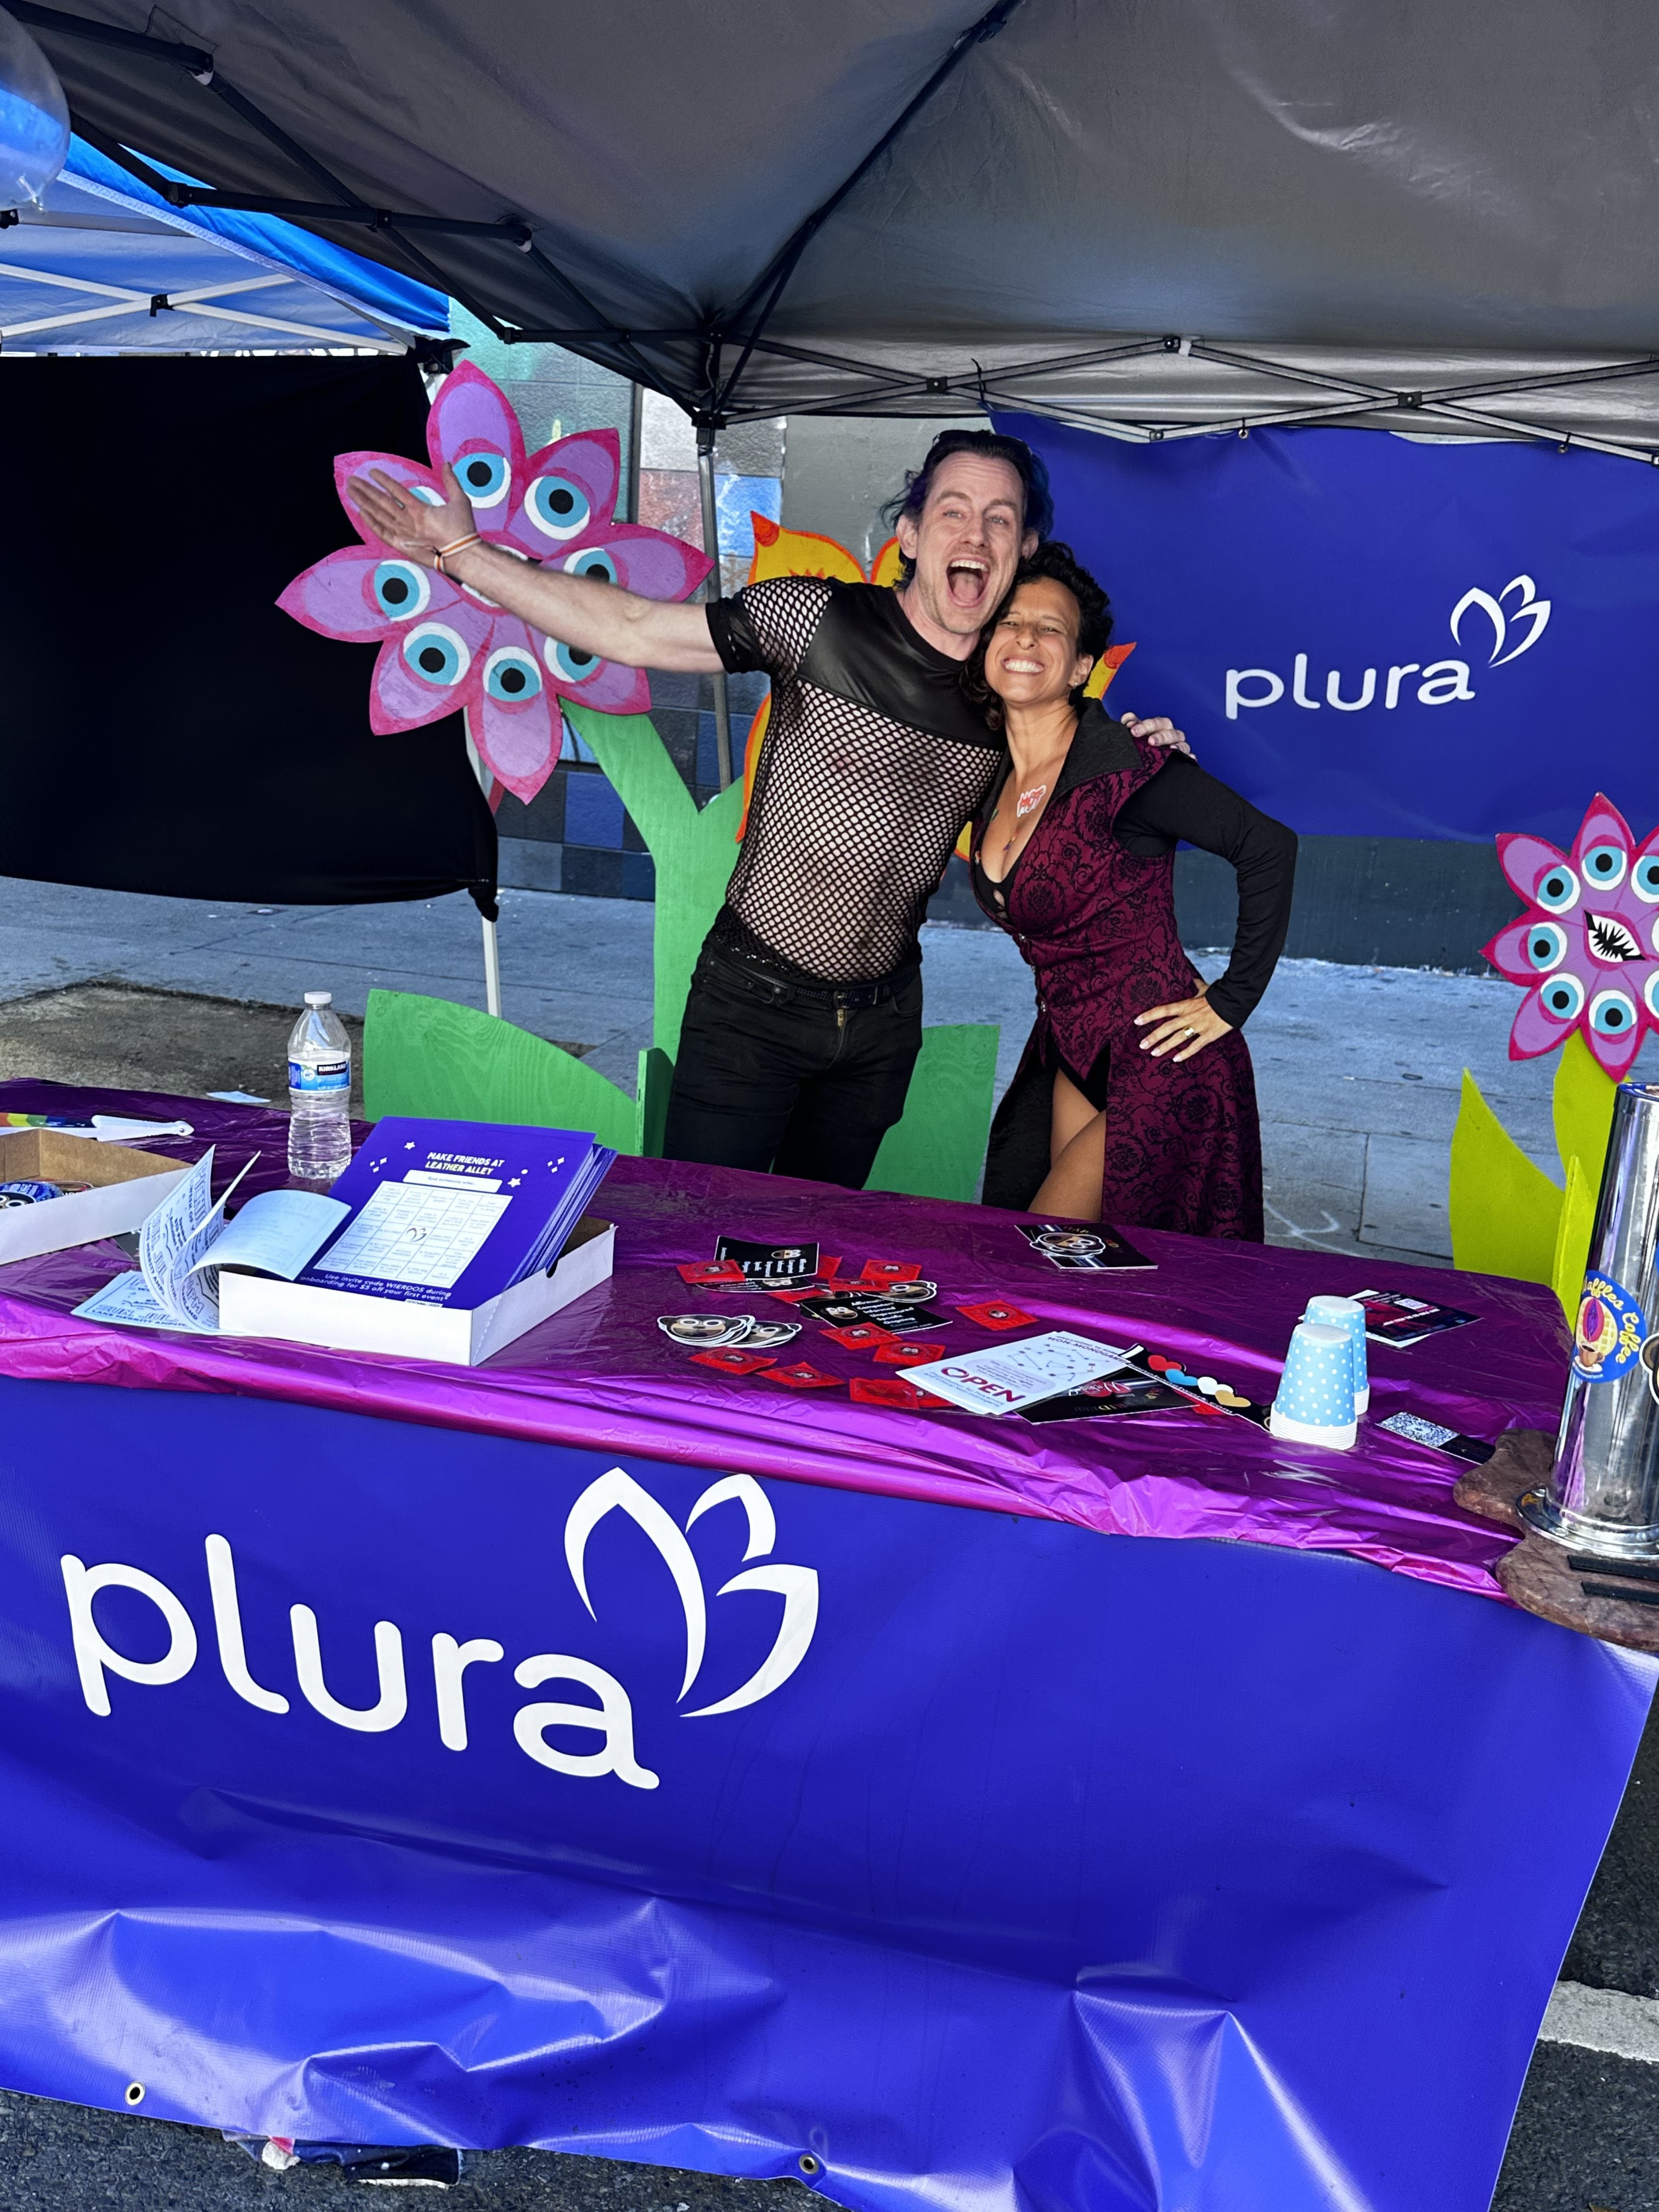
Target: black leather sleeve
1182	801
733	636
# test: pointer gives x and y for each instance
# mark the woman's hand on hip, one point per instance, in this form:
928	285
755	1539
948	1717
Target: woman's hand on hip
1190	1023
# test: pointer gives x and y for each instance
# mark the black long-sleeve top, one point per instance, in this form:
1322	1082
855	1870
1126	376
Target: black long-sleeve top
1184	802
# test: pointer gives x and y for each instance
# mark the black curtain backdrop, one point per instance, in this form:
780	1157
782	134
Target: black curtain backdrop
163	726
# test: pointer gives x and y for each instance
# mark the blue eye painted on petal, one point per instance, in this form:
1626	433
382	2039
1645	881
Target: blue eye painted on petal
558	507
1562	998
1547	944
511	675
1644	879
438	654
483	478
595	562
1558	889
425	492
569	666
1650	993
1604	865
402	589
1612	1013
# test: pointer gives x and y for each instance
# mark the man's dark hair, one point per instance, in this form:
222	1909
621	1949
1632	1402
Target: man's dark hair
984	444
1057	563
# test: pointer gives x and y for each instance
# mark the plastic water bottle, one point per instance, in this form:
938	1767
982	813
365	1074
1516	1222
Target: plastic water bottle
319	1093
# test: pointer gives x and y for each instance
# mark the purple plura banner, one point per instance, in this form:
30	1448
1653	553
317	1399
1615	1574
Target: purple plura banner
373	1781
1371	636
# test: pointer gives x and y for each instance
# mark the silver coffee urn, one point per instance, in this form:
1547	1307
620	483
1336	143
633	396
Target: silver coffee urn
1603	1493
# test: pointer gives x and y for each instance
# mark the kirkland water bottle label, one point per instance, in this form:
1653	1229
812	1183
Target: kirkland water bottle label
326	1075
1611	1331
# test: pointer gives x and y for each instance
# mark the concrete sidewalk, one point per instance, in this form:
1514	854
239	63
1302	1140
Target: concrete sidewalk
1358	1069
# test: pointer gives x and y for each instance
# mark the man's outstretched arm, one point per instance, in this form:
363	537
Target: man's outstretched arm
584	611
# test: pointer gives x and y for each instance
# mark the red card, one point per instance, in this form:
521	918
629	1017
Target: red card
734	1359
862	1336
892	1391
813	1289
901	1352
992	1313
891	1271
803	1376
827	1269
711	1271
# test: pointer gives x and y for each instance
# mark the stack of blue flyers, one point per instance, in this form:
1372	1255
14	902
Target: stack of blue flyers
453	1213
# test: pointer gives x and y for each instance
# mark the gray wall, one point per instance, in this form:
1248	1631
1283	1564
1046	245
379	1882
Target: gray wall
838	471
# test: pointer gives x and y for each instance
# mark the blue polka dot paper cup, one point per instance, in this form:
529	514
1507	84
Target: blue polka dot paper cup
1347	1314
1315	1405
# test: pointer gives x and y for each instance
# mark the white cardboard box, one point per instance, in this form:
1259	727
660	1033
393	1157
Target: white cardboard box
351	1321
127	1186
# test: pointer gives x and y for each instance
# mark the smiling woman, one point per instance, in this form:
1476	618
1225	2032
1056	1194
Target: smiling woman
1134	1101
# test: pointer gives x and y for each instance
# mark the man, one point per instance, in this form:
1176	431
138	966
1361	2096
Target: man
804	1015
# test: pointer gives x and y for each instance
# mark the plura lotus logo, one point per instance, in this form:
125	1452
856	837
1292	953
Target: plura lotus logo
1529	616
611	1720
1515	630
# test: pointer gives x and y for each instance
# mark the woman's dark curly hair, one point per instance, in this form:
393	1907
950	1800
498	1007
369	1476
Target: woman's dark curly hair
1058	564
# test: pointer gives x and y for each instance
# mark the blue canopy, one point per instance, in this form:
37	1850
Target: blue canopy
107	266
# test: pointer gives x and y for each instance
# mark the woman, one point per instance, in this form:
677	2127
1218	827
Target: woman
1134	1101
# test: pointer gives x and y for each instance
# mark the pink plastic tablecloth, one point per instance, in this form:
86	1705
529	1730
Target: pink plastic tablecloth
602	1375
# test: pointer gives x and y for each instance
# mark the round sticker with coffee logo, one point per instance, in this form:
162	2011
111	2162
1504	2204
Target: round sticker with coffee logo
1611	1331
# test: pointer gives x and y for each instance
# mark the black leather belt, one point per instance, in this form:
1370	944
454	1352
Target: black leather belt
776	991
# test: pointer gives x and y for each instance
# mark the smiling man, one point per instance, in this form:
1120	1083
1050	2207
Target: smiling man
805	1017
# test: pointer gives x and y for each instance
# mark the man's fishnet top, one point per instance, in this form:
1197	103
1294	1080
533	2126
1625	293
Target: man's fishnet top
855	810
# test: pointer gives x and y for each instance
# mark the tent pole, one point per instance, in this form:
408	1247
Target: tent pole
636	432
711	546
492	970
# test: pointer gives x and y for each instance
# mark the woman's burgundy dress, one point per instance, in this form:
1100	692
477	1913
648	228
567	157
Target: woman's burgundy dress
1098	925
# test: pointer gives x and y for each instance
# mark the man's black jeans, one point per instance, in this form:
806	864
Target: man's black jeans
767	1077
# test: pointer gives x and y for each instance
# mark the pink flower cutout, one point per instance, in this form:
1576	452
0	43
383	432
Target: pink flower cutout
444	646
1588	947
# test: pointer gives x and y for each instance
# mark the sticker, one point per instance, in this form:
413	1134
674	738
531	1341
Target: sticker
704	1331
835	1311
1402	1322
892	1391
1109	1395
992	1313
860	1336
771	1335
910	1290
905	1351
803	1376
1092	1250
891	1271
1611	1331
1206	1393
713	1271
732	1360
842	1309
1417	1431
769	1263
